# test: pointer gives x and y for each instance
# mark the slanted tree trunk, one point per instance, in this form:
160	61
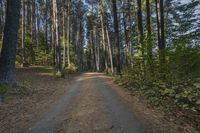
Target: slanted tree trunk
110	51
8	53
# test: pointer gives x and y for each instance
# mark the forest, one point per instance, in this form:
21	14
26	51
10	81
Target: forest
149	47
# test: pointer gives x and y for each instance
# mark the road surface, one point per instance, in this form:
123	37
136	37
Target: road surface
89	106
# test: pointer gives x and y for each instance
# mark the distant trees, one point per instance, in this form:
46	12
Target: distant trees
8	53
106	36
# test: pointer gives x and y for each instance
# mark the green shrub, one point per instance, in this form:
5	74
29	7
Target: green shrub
179	88
4	88
72	68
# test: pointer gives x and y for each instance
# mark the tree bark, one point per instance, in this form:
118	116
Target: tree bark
162	27
116	27
140	25
56	38
148	19
110	51
23	32
8	53
158	21
161	32
64	44
68	34
103	42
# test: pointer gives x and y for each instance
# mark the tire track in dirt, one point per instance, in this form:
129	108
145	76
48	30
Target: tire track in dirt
53	118
87	113
122	117
90	106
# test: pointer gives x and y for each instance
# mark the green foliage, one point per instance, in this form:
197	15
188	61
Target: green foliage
43	58
179	88
4	88
108	71
72	68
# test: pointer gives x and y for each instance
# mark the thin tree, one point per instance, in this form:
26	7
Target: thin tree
68	33
23	32
64	44
162	34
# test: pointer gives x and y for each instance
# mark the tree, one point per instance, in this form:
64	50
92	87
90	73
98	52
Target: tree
140	25
68	32
23	32
8	53
161	32
56	39
149	36
116	38
110	50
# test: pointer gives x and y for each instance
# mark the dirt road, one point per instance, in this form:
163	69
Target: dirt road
90	106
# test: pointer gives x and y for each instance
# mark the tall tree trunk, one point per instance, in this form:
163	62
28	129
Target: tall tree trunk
116	27
161	33
46	26
162	40
32	23
162	26
148	38
97	49
23	32
158	21
8	53
130	28
68	34
126	37
141	36
64	44
103	42
93	57
110	51
148	19
56	38
140	25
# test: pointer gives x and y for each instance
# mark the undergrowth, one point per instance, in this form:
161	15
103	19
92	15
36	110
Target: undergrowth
177	90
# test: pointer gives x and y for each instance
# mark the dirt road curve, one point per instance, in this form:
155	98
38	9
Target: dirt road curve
90	106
